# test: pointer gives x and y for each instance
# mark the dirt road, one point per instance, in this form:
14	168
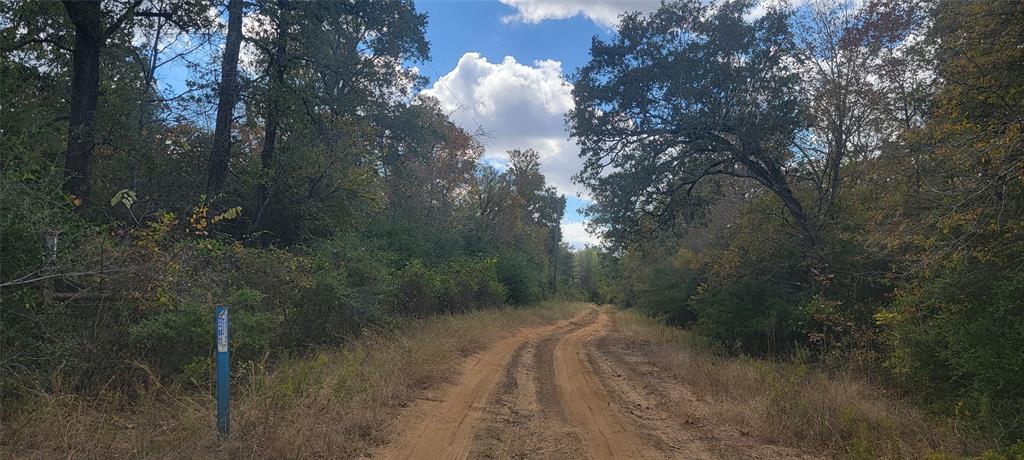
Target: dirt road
569	390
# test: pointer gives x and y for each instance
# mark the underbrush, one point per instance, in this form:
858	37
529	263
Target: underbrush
793	404
332	402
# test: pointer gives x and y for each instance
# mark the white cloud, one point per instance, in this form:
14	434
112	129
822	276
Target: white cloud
604	12
575	233
757	12
518	106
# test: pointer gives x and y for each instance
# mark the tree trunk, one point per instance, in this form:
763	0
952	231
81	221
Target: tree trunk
273	116
554	272
773	179
221	151
144	149
85	84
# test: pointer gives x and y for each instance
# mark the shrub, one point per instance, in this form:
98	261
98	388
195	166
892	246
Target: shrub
748	316
474	284
957	339
521	278
329	313
178	343
418	290
666	290
459	285
172	339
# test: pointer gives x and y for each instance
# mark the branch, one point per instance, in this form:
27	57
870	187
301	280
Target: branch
27	280
28	41
129	12
155	14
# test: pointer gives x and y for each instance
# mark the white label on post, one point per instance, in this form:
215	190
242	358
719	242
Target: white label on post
222	331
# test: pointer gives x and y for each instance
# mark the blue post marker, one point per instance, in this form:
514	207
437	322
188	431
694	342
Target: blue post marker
223	370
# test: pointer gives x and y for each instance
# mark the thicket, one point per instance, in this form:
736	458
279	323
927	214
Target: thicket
149	174
850	187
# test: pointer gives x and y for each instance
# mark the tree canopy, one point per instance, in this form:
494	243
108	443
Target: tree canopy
834	179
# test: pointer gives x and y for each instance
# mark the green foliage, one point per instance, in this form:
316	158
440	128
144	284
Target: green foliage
956	338
474	284
955	327
172	339
344	209
522	282
690	91
747	315
807	179
176	342
459	285
885	238
660	280
419	290
32	208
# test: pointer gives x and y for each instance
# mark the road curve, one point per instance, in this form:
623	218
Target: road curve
571	390
445	429
606	432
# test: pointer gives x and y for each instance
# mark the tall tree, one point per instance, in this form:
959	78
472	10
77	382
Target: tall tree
228	92
158	37
957	327
689	92
85	83
332	98
272	117
844	55
542	205
90	35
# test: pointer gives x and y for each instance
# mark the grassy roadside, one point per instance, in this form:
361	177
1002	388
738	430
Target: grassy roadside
791	404
332	403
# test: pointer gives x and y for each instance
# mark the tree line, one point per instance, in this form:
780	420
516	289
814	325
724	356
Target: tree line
835	179
163	157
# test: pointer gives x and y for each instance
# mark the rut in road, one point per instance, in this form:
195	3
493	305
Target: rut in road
568	390
444	428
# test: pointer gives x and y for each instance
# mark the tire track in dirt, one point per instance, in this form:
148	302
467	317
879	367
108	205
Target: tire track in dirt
669	409
669	422
445	428
525	418
502	431
572	390
606	432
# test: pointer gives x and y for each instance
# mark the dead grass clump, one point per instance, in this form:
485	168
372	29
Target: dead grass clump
792	404
332	403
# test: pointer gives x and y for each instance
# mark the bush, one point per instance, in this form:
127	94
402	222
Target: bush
957	339
748	316
474	284
418	290
520	277
172	339
459	285
328	313
178	343
666	291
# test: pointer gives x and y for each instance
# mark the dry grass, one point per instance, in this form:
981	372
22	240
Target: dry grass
794	405
337	404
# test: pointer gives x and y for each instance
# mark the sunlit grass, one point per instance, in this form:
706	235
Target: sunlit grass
336	403
792	404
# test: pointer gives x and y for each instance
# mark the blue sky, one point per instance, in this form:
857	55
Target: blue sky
500	65
458	27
